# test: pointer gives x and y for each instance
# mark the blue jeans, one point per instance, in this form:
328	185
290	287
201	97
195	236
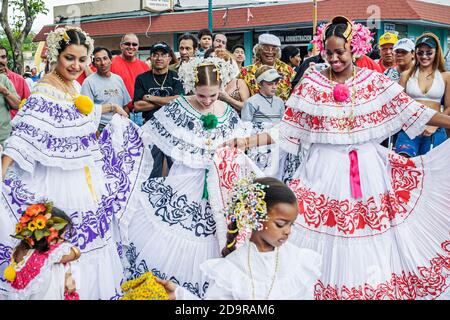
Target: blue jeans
420	145
158	160
137	118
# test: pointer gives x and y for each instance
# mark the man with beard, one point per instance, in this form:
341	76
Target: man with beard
20	85
154	89
128	67
104	87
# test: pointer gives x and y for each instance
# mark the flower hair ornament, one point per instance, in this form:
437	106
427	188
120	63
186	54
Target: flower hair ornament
56	36
246	205
188	71
36	223
357	34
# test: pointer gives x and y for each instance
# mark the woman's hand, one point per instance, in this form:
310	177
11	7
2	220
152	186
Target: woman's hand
120	110
240	143
169	286
429	130
224	96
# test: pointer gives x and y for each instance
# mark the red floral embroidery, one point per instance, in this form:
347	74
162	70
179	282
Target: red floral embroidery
388	111
427	282
348	216
31	268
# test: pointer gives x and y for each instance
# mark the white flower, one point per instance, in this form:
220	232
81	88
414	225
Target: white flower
187	71
60	34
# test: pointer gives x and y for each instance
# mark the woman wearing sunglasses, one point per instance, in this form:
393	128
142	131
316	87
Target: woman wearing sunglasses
426	82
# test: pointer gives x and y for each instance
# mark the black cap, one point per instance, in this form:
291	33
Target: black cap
429	41
160	46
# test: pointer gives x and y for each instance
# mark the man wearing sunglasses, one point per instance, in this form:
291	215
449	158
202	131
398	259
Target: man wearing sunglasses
128	67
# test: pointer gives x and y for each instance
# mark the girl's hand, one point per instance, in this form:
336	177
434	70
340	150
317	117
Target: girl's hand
69	283
169	286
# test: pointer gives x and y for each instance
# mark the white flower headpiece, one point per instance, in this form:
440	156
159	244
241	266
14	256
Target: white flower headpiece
60	34
188	71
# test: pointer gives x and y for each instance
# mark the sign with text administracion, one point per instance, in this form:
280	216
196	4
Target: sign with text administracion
157	5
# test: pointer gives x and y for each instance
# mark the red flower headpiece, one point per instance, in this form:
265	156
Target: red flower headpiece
359	36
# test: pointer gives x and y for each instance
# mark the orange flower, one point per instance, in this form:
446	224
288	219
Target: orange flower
40	221
35	209
19	228
53	234
24	219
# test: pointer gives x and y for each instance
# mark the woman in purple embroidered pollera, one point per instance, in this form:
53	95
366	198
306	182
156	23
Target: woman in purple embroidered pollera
53	154
381	221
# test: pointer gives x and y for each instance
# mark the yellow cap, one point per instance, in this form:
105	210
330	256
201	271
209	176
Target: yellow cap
388	37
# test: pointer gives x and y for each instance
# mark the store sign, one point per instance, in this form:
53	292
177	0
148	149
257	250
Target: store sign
291	37
389	27
157	5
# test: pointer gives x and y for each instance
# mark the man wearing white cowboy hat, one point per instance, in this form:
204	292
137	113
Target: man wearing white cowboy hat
268	52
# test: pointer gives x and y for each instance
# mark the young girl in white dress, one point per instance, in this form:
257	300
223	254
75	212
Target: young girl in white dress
40	265
267	267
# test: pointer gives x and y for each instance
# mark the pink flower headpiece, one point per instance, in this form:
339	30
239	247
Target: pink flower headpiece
361	38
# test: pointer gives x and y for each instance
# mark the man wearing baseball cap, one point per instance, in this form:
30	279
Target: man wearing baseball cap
264	106
268	52
154	89
404	58
386	44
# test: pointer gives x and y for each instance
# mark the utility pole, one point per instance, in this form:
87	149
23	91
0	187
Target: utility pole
210	16
314	23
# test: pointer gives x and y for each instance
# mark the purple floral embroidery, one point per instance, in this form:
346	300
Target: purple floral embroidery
47	108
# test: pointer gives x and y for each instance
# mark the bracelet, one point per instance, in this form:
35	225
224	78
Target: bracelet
76	251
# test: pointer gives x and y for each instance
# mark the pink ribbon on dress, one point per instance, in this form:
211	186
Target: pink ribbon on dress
355	180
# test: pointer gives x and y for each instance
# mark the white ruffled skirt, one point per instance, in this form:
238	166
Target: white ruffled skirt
393	243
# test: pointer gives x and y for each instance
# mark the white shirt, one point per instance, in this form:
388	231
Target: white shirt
229	277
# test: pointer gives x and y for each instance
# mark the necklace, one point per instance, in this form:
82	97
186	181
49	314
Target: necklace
274	274
66	88
341	93
164	81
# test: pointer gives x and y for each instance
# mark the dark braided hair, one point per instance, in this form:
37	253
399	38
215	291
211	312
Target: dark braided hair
276	192
336	30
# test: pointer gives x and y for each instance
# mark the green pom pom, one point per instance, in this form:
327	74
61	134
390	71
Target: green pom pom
210	121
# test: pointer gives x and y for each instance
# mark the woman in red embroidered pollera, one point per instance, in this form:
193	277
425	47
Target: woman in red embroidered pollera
40	265
380	220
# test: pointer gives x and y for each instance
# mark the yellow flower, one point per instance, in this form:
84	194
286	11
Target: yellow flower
40	221
19	228
32	226
84	104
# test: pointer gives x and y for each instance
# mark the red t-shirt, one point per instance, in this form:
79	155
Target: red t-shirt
128	71
366	62
83	75
21	86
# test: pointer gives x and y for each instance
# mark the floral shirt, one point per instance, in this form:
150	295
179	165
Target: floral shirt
284	86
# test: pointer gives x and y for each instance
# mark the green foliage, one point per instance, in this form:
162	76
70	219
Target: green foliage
18	20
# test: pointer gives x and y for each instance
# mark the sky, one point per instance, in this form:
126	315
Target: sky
42	20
